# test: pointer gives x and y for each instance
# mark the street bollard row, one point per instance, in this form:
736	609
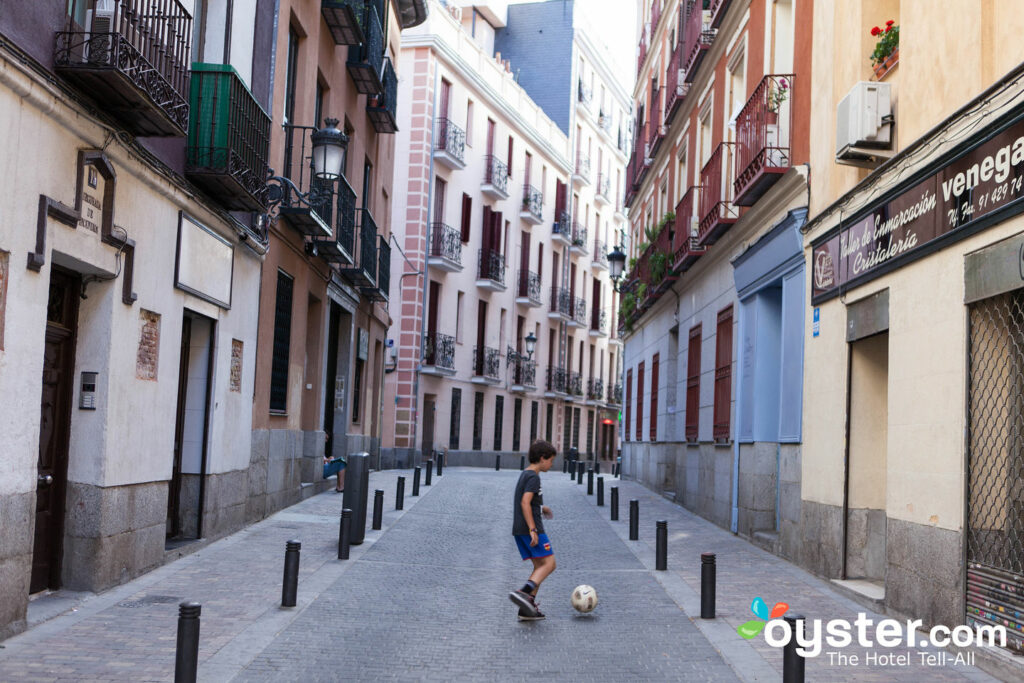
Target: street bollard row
416	481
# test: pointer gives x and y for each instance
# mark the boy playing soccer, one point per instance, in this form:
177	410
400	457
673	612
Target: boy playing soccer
528	529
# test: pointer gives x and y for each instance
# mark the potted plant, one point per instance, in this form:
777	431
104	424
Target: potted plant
778	92
659	266
887	49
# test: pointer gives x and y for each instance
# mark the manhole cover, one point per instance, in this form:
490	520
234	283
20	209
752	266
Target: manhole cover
150	600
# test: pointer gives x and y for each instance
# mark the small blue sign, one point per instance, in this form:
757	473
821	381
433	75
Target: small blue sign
816	325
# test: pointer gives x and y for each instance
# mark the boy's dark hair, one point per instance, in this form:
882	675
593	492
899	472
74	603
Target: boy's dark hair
541	449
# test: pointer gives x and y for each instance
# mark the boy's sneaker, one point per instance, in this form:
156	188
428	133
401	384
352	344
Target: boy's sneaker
524	616
525	602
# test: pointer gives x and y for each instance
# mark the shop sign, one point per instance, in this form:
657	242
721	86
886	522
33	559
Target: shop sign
979	182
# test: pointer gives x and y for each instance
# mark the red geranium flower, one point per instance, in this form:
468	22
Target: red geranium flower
888	28
890	22
875	31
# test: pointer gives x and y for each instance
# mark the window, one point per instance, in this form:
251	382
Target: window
318	105
357	390
517	423
723	374
458	318
510	145
654	397
456	414
446	96
629	403
290	76
693	384
567	427
440	190
367	183
282	343
549	423
478	419
590	432
467	216
576	428
469	123
533	420
499	419
640	402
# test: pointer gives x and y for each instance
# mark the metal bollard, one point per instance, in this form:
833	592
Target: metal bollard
581	468
600	492
565	465
615	503
707	585
497	463
290	586
572	471
590	482
597	467
345	534
427	470
186	657
416	481
661	545
400	494
378	509
634	520
792	662
522	463
440	457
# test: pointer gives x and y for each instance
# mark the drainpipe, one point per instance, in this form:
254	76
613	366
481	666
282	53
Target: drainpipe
734	524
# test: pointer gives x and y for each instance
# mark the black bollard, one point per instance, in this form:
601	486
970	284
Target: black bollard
615	503
600	492
792	662
290	587
634	520
440	457
572	470
661	545
345	534
186	657
400	494
378	509
416	481
522	463
597	467
581	468
565	465
590	482
707	585
427	470
497	462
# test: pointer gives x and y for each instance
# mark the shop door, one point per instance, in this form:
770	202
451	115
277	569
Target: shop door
54	429
429	402
995	466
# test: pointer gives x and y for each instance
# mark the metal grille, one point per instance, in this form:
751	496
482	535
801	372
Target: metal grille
995	503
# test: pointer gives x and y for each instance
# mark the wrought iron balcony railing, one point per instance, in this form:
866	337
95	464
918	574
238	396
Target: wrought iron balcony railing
763	138
600	253
583	169
380	290
491	266
340	247
717	212
557	379
717	9
562	227
533	202
363	272
451	139
305	201
579	236
595	389
684	243
615	393
524	370
228	139
486	363
579	311
529	286
366	60
561	302
345	18
439	351
382	108
599	320
604	188
574	384
584	94
446	243
698	35
134	59
496	174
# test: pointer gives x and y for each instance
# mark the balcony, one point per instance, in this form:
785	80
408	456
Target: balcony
450	145
533	205
344	19
340	248
585	97
579	239
133	63
717	212
445	248
486	365
382	108
528	293
595	389
490	271
622	141
602	195
581	173
698	35
363	271
620	210
657	132
495	183
685	248
598	322
524	372
557	382
366	60
228	139
438	355
763	130
380	291
615	394
718	9
600	256
574	384
676	86
579	313
561	304
604	123
311	215
561	230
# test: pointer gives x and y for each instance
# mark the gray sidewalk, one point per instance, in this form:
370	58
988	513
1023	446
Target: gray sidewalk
425	599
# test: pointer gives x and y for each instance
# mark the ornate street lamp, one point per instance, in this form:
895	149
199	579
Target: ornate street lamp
329	146
616	264
531	345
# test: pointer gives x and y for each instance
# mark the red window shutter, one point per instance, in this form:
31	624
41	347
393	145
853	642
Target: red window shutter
467	215
723	374
488	222
629	402
640	402
693	384
560	198
654	398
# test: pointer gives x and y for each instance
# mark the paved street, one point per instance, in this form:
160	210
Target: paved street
425	599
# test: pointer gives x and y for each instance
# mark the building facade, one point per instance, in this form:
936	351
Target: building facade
497	220
713	301
912	407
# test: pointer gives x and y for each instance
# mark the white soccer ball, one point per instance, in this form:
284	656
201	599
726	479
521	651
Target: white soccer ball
584	598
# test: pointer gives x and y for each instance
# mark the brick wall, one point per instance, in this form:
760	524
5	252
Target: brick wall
149	345
236	366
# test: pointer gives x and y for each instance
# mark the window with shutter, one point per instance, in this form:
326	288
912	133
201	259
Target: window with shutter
517	423
723	374
629	403
693	384
467	216
640	402
654	398
282	343
455	426
499	419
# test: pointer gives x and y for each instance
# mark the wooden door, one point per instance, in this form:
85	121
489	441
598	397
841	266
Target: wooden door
446	93
174	487
54	429
428	425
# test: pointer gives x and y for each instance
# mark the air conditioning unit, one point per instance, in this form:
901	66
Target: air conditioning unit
864	125
98	20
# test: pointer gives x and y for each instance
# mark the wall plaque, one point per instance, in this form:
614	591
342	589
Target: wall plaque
205	262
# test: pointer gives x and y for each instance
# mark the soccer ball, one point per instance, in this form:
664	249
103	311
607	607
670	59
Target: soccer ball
584	598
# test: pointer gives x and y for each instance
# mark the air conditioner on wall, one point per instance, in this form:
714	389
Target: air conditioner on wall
98	20
864	125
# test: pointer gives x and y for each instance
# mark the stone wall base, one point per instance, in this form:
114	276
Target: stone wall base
17	529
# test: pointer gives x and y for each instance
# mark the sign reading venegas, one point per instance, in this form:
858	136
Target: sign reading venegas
946	206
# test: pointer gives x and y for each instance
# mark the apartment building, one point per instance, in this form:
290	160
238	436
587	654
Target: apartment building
505	338
713	302
141	137
914	353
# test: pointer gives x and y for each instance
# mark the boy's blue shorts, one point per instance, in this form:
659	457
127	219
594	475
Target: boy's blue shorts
542	549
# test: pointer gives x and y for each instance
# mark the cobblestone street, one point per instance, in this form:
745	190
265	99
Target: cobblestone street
426	599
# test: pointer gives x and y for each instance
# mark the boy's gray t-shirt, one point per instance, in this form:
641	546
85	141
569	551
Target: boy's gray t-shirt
528	481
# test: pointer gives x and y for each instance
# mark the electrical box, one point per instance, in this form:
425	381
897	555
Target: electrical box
87	395
864	125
